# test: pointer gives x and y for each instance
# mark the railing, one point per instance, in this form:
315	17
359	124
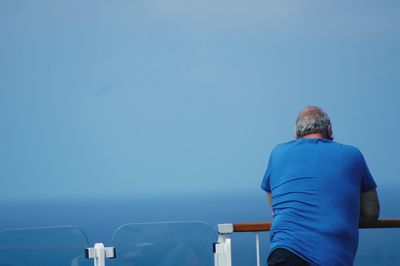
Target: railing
160	244
223	251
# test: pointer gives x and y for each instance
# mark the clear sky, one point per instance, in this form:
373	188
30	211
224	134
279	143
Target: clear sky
106	98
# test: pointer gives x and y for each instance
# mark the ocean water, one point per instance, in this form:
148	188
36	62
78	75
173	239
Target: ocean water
100	218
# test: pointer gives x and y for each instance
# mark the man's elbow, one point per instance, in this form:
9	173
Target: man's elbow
370	212
370	207
369	217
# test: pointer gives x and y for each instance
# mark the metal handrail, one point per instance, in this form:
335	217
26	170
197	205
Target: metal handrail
266	226
222	252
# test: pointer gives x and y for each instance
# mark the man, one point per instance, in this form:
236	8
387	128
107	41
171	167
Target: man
318	190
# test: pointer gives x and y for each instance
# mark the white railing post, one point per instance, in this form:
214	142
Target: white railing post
222	249
258	248
99	254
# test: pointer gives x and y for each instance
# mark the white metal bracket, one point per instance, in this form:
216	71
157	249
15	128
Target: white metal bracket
99	253
222	249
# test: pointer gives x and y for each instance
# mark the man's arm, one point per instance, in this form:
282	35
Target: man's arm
369	209
269	197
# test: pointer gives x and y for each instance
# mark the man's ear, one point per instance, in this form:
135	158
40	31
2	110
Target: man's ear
330	132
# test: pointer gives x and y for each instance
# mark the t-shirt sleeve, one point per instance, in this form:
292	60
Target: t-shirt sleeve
265	182
367	181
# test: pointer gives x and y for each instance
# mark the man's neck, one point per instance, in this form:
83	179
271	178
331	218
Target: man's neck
314	136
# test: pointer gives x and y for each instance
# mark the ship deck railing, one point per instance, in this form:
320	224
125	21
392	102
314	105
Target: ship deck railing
223	248
166	243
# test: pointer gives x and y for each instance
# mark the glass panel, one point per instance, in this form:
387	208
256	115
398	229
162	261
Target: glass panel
244	248
378	247
49	246
165	244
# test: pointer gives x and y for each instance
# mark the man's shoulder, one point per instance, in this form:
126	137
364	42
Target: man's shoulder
343	148
347	148
284	145
283	148
287	143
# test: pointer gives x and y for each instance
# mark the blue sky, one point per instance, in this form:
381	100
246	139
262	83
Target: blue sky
117	98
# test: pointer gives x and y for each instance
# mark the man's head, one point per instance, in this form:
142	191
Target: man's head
313	120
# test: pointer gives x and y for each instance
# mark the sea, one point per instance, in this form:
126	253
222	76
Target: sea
99	218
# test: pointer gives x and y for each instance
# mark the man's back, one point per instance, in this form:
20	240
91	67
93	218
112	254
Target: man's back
315	186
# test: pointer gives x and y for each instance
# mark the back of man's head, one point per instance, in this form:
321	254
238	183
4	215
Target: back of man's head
313	120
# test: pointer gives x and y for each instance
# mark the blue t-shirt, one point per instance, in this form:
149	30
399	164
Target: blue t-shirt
315	186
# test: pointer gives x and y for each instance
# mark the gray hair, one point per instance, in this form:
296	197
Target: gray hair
312	120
